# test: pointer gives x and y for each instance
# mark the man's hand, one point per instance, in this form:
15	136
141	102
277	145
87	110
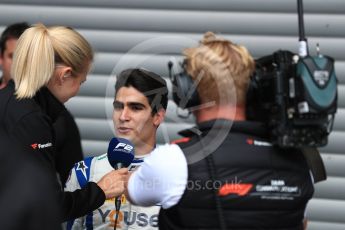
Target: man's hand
112	183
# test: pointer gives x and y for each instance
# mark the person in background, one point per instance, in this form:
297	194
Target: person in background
68	145
141	99
49	65
8	42
224	174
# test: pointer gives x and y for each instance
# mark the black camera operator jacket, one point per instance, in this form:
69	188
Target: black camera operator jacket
258	186
29	122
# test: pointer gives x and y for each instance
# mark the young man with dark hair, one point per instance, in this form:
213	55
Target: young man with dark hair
8	42
141	99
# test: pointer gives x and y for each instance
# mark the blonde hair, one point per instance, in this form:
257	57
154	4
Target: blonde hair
40	49
224	69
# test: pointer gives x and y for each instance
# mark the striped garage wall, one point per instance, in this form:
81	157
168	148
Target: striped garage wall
129	33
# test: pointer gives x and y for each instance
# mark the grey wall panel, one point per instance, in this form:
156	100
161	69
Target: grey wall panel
314	6
341	96
334	164
339	123
95	129
91	107
326	210
317	225
96	86
335	143
172	43
107	64
340	71
94	147
166	20
124	41
326	189
104	63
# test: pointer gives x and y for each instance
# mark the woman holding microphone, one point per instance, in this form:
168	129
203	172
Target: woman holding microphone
49	65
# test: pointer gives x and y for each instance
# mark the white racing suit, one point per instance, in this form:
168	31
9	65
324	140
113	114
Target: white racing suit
130	216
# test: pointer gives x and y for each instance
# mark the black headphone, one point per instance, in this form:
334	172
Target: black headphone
185	94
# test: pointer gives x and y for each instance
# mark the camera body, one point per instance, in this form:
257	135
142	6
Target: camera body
296	97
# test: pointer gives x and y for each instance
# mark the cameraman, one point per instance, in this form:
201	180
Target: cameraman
254	185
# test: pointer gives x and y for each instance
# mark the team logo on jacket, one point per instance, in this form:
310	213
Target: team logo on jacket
82	167
251	141
41	146
238	188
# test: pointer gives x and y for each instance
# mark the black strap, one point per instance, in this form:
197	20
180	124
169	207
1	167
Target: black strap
315	164
212	173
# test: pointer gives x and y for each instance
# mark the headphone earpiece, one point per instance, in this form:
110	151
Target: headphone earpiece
185	94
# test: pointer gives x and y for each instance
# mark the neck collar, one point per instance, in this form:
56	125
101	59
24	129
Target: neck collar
49	103
248	127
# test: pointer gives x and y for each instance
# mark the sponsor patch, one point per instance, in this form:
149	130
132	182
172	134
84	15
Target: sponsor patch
235	188
251	141
41	146
277	190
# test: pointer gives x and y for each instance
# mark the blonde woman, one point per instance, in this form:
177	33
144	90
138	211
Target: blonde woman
49	65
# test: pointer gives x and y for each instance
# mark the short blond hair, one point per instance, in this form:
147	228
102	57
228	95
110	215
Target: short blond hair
223	67
40	49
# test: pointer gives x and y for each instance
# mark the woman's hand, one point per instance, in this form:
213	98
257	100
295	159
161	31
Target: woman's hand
113	183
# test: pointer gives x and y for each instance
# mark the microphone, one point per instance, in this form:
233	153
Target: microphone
120	155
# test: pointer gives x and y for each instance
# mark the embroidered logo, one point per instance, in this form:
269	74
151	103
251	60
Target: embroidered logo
251	141
34	146
41	146
82	167
239	189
